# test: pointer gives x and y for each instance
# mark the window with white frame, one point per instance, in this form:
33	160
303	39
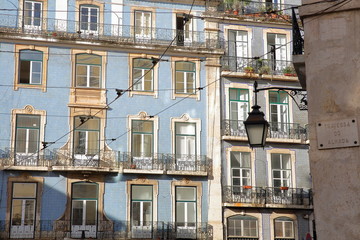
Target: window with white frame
88	71
23	205
32	14
277	51
143	75
240	170
184	28
239	108
143	23
242	227
281	170
279	111
141	208
185	207
27	134
238	49
84	209
185	139
142	136
284	228
89	19
185	77
86	135
30	71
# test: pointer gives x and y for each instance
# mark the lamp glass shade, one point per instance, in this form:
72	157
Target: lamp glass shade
256	127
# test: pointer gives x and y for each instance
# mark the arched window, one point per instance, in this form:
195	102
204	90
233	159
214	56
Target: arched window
88	71
284	228
242	227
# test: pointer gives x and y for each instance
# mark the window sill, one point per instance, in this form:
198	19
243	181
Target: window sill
30	86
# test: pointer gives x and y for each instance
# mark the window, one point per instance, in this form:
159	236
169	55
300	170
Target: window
185	145
142	143
284	228
240	170
27	139
86	140
89	19
141	210
88	71
277	51
281	170
238	49
185	211
142	23
242	227
184	28
239	108
30	68
279	112
84	209
32	14
143	75
23	205
185	74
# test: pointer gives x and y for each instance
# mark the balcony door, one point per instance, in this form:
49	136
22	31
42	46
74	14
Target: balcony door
238	49
143	26
239	108
186	212
141	211
279	114
142	144
84	210
185	146
32	15
23	206
184	29
277	51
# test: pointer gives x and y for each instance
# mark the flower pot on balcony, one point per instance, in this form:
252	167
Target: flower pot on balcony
284	188
133	166
247	187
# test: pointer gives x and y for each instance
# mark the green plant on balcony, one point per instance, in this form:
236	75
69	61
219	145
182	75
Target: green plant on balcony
289	71
264	69
249	69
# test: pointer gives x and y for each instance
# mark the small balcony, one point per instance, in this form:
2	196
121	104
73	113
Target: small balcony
61	229
235	129
256	9
258	68
59	29
266	197
171	164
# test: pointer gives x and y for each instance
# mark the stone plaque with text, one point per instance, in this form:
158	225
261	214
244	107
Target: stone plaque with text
337	134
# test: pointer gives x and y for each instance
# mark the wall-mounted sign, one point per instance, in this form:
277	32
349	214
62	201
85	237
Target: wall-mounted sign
337	134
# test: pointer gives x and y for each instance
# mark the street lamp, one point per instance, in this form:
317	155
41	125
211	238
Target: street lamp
256	125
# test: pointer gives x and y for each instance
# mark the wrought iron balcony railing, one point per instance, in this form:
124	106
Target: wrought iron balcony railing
260	66
112	33
236	128
143	161
60	229
248	7
268	195
244	194
188	162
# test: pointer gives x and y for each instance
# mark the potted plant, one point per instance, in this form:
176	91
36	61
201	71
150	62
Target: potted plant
133	166
247	187
284	188
264	70
228	5
249	69
289	71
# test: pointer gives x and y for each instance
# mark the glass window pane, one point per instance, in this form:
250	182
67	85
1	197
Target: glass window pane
77	212
233	94
93	143
147	213
185	194
24	190
24	72
235	159
89	123
29	212
288	229
33	141
135	214
21	140
141	192
30	121
273	97
90	213
185	128
180	81
31	55
185	66
180	214
88	59
84	190
80	142
245	160
16	212
275	161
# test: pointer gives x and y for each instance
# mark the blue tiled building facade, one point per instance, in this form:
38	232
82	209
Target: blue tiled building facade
123	119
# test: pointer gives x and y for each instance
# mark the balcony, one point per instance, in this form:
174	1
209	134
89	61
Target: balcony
60	229
171	164
235	130
248	8
249	196
258	68
56	29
